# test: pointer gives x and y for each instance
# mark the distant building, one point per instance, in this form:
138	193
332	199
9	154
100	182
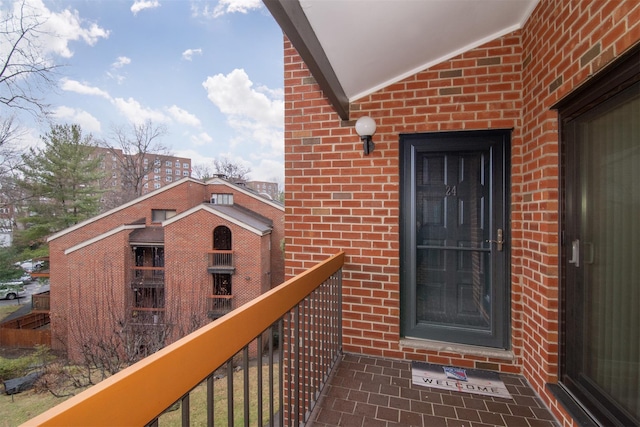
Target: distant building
6	224
163	264
264	187
158	171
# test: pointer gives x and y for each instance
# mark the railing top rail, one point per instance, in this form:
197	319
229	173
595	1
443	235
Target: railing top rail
148	268
184	363
220	296
219	251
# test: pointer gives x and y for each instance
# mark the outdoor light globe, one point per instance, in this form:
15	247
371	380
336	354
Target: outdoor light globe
365	126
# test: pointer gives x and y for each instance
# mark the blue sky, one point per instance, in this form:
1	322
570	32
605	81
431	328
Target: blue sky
211	72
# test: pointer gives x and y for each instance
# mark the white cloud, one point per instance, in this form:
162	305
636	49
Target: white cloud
188	54
55	30
87	122
269	170
234	95
121	61
83	89
136	113
255	115
226	6
201	139
183	116
139	5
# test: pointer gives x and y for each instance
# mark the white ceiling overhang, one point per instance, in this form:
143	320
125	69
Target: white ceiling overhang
356	47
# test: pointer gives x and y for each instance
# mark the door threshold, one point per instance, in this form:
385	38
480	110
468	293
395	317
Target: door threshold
462	349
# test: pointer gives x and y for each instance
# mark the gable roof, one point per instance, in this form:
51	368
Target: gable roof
231	213
154	193
249	192
123	206
354	48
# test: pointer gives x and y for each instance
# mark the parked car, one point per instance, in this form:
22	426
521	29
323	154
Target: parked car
12	290
30	265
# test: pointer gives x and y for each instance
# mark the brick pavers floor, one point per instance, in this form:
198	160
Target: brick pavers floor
371	392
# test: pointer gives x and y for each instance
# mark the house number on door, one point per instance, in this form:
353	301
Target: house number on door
451	190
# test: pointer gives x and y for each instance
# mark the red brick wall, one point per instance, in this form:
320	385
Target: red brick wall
339	199
564	43
87	298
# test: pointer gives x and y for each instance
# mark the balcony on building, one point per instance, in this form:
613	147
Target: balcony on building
220	261
146	299
219	305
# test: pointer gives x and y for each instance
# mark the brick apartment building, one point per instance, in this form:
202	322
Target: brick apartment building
495	223
265	187
164	264
158	170
6	224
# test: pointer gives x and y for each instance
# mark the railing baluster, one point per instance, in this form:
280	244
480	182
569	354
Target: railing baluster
281	373
210	401
296	368
230	392
185	410
259	379
245	368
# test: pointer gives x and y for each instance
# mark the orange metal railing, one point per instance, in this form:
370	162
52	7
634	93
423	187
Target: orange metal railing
170	374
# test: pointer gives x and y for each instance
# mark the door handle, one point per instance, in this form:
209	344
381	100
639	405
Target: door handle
575	253
500	240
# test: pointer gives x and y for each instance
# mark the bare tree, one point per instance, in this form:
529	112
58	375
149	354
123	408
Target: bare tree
25	72
202	172
130	147
232	171
117	333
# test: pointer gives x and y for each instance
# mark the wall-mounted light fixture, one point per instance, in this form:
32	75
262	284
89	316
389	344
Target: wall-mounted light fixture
366	127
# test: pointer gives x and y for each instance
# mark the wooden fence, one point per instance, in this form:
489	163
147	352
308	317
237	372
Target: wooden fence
26	331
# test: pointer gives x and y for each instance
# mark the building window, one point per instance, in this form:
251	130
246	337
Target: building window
177	163
169	179
156	178
146	185
169	171
156	185
156	170
159	215
185	166
146	177
156	162
185	173
168	163
222	199
146	161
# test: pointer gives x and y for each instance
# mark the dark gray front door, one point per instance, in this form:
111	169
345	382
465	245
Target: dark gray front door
454	237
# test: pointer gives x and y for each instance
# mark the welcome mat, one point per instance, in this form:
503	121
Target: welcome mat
457	379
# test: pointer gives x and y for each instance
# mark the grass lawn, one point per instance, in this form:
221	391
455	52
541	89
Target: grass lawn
18	408
198	403
21	407
6	310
